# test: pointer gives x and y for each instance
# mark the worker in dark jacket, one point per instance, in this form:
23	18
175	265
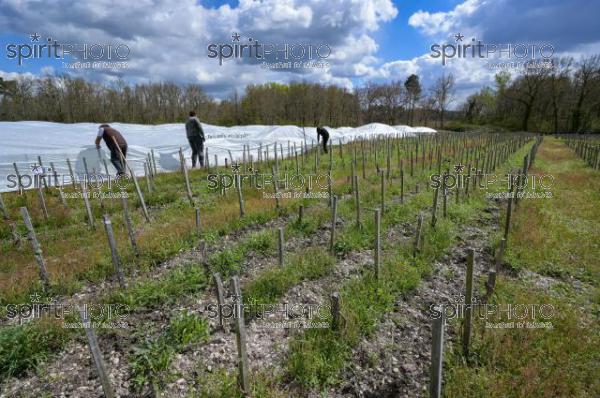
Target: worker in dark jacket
195	136
324	135
116	144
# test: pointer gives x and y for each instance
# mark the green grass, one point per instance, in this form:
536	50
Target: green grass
554	237
272	284
76	243
181	281
317	356
23	348
557	362
565	227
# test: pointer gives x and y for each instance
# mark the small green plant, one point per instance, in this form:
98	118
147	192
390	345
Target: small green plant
261	242
150	364
187	329
151	361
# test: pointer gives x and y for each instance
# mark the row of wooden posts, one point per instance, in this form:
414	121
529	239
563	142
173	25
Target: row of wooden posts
491	159
586	147
437	345
437	340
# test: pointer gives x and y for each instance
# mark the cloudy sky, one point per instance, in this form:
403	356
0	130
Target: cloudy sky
370	40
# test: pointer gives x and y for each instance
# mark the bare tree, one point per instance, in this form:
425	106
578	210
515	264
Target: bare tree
588	72
443	94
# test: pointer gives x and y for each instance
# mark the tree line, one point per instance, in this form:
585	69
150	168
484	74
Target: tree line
561	98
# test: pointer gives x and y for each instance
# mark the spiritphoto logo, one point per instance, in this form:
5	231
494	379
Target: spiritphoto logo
279	185
498	316
514	54
107	316
285	55
273	316
88	55
459	178
91	185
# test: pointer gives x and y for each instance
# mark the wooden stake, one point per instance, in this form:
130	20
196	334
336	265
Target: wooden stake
154	162
198	223
3	209
88	207
281	246
434	208
113	251
437	356
333	219
401	184
187	177
335	311
42	203
275	182
240	196
382	192
37	249
377	244
508	213
220	297
19	179
129	224
71	172
417	244
240	332
96	355
468	305
357	200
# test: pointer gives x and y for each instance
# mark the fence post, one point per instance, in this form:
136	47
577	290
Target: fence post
96	355
71	172
113	251
42	203
220	297
281	247
417	244
3	209
240	332
378	244
434	208
88	207
468	304
240	195
198	223
20	181
437	356
382	192
333	220
129	224
37	249
153	161
275	182
357	200
401	183
186	176
148	175
335	311
508	212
